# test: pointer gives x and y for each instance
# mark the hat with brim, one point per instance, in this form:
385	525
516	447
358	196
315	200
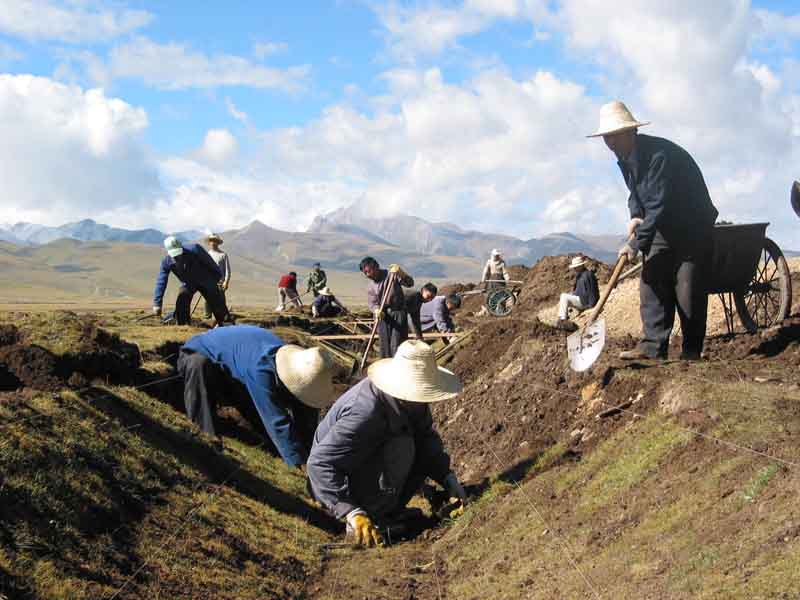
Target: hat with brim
495	252
173	246
616	118
578	261
414	376
326	291
307	373
214	237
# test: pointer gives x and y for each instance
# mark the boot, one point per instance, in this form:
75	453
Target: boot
566	325
638	353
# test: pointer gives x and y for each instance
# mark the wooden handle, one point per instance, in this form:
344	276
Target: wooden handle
388	290
612	283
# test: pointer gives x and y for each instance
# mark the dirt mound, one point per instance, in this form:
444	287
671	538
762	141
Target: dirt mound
32	366
550	277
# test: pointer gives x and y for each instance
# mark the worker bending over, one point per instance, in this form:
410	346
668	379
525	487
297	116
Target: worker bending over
414	303
377	445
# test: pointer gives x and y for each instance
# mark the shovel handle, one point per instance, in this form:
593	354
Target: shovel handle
612	283
386	293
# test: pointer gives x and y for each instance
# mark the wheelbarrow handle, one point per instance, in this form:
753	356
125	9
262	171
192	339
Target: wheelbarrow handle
612	283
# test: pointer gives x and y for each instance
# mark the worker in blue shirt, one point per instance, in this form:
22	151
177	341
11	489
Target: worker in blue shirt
198	272
287	384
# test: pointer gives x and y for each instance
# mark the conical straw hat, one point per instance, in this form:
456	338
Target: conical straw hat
616	118
307	373
413	375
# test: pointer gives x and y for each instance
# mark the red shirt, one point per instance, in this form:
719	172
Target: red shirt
288	281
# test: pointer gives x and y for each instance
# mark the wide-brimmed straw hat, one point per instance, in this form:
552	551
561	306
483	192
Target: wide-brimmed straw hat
307	373
616	118
578	261
214	237
413	375
326	291
495	252
173	246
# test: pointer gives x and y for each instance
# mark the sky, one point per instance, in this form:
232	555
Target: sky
185	115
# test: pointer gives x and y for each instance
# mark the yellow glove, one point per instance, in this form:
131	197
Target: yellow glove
397	270
458	509
378	314
364	531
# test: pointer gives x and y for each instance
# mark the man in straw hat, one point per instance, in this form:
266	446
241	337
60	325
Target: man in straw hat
326	305
285	384
377	445
392	317
223	262
197	272
584	295
672	223
495	273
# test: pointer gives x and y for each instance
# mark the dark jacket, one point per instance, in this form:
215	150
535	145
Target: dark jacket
586	288
247	353
354	429
396	300
195	268
327	306
436	314
668	192
414	303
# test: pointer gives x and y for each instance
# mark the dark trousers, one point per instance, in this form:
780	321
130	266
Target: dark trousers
674	281
392	331
208	304
213	296
202	383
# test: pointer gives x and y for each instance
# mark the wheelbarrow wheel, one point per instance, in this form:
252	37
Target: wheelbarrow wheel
500	302
767	299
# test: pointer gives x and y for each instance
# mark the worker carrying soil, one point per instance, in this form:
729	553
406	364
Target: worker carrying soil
317	279
197	272
495	274
436	314
284	385
223	262
584	295
287	292
414	303
377	445
326	305
672	224
392	316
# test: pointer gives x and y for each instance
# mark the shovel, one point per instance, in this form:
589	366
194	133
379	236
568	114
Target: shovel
586	344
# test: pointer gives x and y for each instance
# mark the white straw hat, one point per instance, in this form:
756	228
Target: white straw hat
616	118
495	252
307	373
578	261
413	375
173	246
326	291
214	237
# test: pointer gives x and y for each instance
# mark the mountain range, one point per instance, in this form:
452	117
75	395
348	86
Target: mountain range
86	230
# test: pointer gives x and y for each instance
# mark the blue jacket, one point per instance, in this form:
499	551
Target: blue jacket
247	353
195	268
436	314
354	429
586	288
667	190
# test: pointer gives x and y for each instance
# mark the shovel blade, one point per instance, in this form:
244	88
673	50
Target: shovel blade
585	345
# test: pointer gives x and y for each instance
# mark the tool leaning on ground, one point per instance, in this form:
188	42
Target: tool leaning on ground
586	344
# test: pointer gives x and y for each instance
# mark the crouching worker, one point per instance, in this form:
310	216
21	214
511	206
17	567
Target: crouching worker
326	305
376	445
585	294
286	384
197	272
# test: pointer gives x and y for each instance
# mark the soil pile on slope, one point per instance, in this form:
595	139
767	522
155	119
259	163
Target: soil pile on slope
62	350
550	277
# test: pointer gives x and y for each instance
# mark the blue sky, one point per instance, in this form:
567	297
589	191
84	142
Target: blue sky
472	111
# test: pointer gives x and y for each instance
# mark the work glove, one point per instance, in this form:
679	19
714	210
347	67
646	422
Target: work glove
458	497
397	270
364	531
627	250
632	225
157	311
378	314
506	276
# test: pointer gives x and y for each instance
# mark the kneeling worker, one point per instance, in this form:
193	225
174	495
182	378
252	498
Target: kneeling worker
376	445
197	272
326	305
585	294
286	383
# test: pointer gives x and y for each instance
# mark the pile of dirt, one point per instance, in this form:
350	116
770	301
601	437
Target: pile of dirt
63	351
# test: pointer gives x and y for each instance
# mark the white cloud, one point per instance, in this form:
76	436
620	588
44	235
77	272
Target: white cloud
72	21
175	66
219	147
261	50
237	114
68	151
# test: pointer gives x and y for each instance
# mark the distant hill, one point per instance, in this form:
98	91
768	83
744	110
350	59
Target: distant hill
447	239
86	231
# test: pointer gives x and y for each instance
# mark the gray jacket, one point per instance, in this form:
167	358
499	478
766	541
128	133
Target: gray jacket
354	429
436	314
